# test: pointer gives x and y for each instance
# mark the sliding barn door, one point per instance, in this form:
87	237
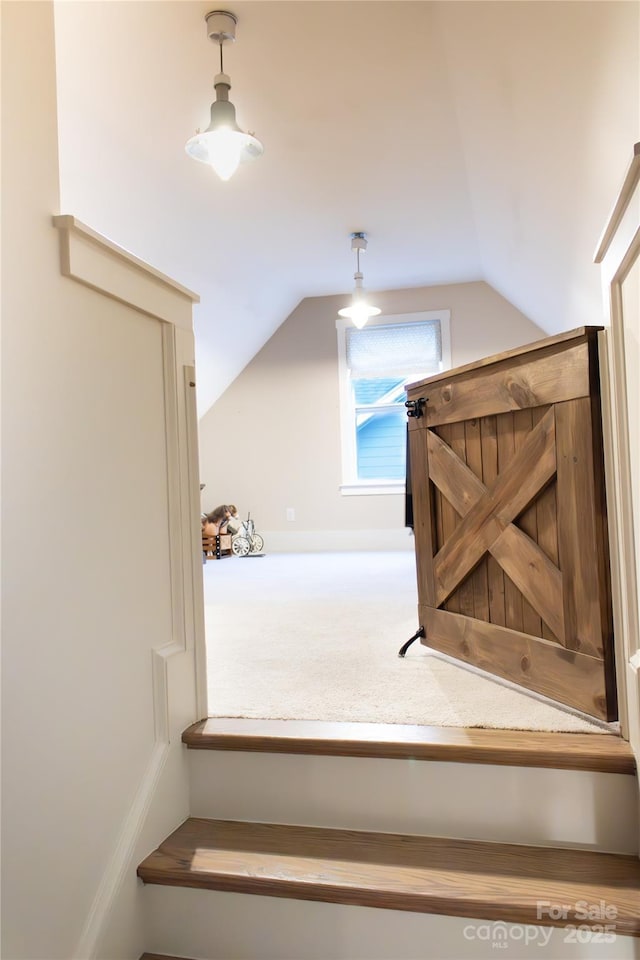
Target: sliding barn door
509	519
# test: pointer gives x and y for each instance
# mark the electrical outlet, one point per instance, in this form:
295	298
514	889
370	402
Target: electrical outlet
291	514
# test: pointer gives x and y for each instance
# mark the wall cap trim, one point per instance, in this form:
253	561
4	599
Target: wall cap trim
632	177
65	221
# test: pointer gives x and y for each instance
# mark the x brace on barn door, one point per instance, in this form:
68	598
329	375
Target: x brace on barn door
487	524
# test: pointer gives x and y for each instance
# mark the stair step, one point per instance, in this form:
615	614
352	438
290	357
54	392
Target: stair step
605	753
543	807
418	780
491	881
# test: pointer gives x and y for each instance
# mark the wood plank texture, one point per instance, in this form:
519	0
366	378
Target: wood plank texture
495	576
523	384
606	753
546	519
464	592
546	516
217	546
449	523
424	517
565	675
512	492
515	453
533	574
577	543
492	881
528	522
528	567
479	577
539	347
458	483
506	452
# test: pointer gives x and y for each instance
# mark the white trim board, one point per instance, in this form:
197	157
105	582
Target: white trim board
617	253
98	262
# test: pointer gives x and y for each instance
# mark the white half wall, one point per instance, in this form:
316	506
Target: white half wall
99	608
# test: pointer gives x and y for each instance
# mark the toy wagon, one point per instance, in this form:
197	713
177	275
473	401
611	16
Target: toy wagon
246	540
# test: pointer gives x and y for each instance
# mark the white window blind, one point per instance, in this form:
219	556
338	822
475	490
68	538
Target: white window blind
399	349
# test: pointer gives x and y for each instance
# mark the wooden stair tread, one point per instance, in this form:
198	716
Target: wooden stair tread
605	752
466	878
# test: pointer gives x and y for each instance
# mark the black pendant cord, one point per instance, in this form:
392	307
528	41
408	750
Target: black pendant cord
405	646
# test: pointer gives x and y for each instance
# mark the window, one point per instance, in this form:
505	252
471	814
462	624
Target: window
375	364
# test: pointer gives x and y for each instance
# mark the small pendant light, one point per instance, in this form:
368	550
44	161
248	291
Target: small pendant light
359	311
223	145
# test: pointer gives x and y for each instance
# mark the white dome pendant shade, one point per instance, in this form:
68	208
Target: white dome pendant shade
359	310
223	145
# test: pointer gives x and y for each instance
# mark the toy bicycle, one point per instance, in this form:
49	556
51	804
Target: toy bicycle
246	540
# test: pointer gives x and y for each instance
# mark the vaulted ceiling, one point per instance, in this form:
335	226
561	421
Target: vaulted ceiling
470	140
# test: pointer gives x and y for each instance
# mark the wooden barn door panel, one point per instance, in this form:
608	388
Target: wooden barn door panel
509	520
536	664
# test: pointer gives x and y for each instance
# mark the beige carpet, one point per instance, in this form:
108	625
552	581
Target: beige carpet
315	637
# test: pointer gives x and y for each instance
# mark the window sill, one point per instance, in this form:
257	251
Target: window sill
372	487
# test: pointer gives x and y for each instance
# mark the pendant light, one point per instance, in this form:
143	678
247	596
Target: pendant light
359	311
223	145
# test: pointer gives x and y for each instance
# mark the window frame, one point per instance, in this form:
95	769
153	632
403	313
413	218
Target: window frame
351	485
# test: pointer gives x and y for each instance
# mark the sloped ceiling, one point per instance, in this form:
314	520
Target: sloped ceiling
470	141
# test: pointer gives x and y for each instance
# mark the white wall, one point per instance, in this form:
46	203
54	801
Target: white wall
87	581
548	107
272	440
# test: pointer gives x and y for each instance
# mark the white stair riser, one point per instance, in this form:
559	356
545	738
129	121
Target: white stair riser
528	805
219	926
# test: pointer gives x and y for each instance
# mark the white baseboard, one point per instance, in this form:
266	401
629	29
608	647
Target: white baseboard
312	541
121	857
